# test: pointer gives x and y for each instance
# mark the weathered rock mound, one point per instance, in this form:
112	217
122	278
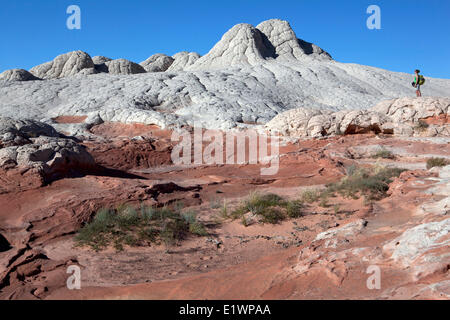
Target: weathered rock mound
17	75
282	39
182	60
157	63
246	45
406	116
241	45
123	66
33	153
65	65
100	59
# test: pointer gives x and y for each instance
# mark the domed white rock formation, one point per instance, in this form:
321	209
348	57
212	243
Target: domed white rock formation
247	45
100	59
182	60
17	75
242	45
123	66
65	65
157	63
282	39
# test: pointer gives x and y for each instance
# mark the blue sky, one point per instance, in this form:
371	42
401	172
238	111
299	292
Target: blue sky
414	34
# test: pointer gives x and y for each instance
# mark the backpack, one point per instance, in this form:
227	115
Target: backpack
421	80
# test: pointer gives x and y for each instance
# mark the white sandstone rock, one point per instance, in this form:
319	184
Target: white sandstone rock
284	42
157	63
123	66
239	81
183	60
65	65
17	75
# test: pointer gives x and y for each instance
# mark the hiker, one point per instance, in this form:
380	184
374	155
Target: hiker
418	81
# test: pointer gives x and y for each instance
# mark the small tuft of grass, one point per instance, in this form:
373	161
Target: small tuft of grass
437	162
215	203
323	203
336	208
125	225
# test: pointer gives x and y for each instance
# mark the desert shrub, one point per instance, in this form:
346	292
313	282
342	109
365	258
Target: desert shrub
294	208
372	183
437	162
270	207
272	215
324	202
384	154
127	226
310	196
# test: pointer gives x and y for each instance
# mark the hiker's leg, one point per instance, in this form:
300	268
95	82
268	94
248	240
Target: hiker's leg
418	92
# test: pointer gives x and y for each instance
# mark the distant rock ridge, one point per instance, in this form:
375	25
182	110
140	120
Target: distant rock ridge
249	77
243	44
